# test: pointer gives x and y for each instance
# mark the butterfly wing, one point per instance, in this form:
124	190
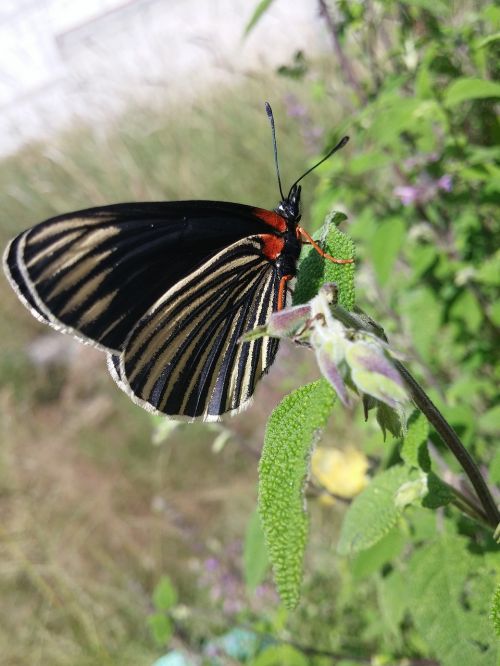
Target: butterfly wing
184	358
94	273
14	270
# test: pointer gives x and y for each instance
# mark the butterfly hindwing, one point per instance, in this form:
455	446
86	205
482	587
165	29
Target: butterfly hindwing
184	357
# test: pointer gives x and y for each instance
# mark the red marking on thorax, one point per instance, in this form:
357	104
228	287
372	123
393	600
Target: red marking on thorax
272	246
271	218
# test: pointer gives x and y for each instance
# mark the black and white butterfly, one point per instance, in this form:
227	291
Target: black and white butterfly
167	290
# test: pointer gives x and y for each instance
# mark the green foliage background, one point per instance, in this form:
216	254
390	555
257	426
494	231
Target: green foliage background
415	85
424	191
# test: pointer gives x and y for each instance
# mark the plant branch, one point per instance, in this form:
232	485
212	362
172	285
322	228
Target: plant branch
465	505
345	65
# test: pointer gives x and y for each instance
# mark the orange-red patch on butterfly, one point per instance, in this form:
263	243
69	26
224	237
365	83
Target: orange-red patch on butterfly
272	246
271	218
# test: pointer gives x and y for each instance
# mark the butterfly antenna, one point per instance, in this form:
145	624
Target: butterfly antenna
339	145
269	112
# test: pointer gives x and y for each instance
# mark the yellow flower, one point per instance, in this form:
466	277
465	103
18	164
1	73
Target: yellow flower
341	472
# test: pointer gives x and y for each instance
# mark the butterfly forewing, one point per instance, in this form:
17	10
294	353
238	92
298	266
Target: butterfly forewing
96	272
13	269
184	356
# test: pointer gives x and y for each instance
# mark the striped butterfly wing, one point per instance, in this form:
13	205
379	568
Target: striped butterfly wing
13	270
184	358
94	273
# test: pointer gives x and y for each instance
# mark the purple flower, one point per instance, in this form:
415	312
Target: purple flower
425	190
407	193
445	182
211	564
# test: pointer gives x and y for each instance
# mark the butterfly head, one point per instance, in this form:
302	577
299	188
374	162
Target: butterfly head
289	207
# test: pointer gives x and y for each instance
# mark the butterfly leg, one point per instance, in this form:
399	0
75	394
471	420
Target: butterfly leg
312	242
281	291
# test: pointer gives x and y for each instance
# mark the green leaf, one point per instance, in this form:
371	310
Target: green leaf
389	420
255	559
164	595
421	257
494	468
368	561
423	312
438	7
438	493
368	161
489	270
277	655
490	421
314	270
291	431
467	309
445	609
385	246
393	600
489	39
495	313
258	12
161	628
414	448
374	512
464	89
391	116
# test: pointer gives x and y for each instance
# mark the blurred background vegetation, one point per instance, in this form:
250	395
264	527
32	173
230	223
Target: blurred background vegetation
99	500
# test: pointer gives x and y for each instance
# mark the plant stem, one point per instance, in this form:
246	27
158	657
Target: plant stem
345	65
466	506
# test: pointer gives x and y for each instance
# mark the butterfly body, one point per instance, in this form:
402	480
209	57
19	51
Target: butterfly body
167	289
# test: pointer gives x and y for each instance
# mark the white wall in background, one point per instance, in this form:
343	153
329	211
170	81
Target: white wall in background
61	59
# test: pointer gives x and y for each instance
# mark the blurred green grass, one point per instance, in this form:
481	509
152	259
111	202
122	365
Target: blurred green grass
94	513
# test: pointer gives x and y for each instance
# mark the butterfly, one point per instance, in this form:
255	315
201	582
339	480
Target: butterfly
167	290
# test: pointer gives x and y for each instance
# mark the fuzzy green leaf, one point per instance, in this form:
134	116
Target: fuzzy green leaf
446	605
374	512
291	431
389	420
314	270
414	448
255	559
